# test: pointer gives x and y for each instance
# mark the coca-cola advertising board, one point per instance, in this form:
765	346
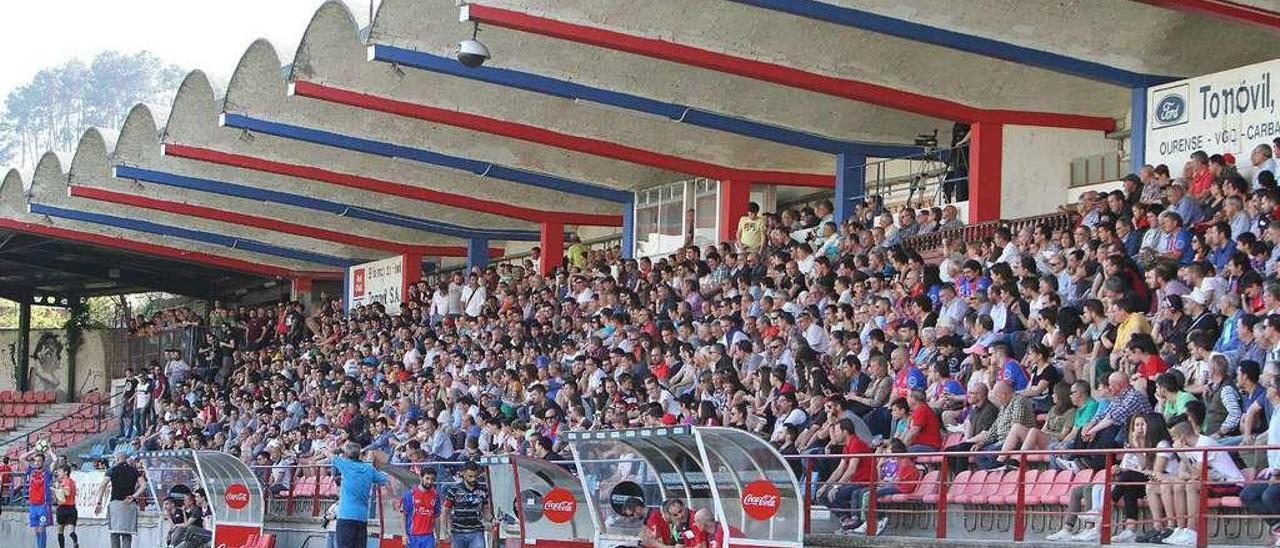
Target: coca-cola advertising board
761	500
559	505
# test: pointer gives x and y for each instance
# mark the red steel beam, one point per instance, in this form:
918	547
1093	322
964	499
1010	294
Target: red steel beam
208	259
1224	9
533	134
856	90
270	224
387	187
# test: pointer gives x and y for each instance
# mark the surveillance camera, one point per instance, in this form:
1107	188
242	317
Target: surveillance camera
472	53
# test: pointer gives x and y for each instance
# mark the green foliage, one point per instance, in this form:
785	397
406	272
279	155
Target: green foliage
42	317
52	110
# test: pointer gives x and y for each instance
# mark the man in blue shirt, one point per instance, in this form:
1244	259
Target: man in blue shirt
1221	246
358	479
1175	240
1187	208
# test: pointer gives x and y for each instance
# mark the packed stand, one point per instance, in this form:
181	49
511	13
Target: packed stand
1152	321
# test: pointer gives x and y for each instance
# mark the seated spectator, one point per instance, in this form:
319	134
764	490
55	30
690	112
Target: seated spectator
1224	475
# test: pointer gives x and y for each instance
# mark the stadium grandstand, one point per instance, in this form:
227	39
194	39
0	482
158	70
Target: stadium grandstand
980	272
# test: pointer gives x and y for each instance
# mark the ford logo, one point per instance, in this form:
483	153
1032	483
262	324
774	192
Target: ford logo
1170	109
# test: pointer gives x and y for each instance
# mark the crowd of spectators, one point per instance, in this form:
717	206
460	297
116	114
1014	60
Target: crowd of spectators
1158	302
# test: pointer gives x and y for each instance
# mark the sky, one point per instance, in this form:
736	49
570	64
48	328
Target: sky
189	33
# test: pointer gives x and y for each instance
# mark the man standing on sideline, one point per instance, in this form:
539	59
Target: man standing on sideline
127	486
420	506
358	479
39	495
469	511
66	516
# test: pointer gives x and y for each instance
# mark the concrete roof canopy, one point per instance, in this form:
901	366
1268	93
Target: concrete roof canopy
835	50
428	27
259	91
331	52
556	114
48	191
193	125
1130	35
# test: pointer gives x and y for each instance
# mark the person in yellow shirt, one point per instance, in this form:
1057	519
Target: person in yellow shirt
577	252
1131	319
751	228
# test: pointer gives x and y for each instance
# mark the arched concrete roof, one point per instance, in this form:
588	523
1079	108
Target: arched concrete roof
50	202
1127	34
331	49
558	114
16	196
428	27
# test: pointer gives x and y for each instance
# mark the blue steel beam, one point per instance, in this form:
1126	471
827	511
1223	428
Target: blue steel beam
676	112
192	235
273	196
389	150
968	43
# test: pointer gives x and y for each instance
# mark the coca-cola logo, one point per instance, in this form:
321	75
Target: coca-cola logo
761	500
559	505
237	496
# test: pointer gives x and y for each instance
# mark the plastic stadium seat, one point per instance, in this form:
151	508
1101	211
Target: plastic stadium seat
964	493
1007	493
928	484
1045	489
989	488
48	396
6	396
1083	477
28	397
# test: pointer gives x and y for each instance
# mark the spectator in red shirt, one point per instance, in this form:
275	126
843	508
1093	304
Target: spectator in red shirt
854	473
1201	175
1146	362
898	475
924	429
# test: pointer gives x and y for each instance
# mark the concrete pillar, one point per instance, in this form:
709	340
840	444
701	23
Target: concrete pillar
302	289
734	197
986	143
1137	129
851	183
23	350
477	253
74	334
552	244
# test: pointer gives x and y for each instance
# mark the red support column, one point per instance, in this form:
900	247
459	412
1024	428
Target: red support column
734	196
412	273
552	243
986	145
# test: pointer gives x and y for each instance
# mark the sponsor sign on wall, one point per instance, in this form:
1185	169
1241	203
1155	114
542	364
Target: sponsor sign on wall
1230	111
377	282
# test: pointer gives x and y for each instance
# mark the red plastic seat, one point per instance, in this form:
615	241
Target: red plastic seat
978	481
28	397
927	484
1083	477
1007	493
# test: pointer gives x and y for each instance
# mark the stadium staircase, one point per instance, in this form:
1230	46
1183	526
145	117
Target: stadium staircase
27	417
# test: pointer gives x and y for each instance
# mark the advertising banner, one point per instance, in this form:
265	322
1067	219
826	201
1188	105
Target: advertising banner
87	484
1230	111
377	282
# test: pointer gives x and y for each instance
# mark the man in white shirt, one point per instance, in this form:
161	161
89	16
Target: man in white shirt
814	334
1225	478
1010	253
1262	160
455	294
1263	498
473	297
788	412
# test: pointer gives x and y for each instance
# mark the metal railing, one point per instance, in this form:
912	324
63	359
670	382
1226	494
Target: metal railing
145	349
995	503
923	179
937	240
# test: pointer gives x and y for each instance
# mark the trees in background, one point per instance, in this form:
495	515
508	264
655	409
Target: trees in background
52	110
